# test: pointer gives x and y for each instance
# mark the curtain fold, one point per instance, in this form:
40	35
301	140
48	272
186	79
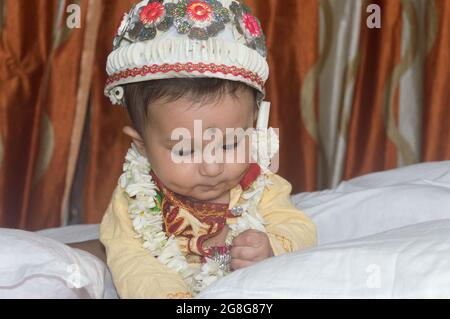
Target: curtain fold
39	66
107	145
436	130
348	99
375	102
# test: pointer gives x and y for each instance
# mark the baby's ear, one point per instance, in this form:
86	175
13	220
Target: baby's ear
137	139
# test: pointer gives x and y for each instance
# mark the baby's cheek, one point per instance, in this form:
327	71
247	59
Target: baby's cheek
176	174
235	172
162	163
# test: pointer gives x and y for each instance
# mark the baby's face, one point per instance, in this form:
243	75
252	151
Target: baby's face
205	180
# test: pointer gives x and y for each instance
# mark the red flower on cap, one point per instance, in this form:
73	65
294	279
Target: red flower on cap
152	13
252	25
199	11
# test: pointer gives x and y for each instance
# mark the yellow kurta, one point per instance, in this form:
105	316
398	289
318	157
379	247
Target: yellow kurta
137	274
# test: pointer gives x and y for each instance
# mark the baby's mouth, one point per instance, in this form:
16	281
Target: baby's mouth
213	184
210	186
213	189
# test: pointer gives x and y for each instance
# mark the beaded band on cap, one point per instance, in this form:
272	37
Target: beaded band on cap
188	67
161	39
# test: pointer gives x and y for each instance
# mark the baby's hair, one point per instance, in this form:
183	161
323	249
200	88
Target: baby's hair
139	96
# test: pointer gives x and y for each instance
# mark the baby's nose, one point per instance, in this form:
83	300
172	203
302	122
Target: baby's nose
211	169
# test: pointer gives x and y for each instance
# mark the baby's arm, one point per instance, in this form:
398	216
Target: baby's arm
288	228
135	272
93	247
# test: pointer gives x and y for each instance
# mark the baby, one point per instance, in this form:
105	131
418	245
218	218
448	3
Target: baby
178	220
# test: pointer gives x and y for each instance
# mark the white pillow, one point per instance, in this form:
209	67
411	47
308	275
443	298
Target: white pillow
72	233
417	173
409	262
33	266
81	233
379	202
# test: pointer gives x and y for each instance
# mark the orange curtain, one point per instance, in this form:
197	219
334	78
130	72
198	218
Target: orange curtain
39	78
107	144
61	140
370	148
436	141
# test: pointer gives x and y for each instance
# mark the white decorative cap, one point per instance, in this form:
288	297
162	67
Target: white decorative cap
161	39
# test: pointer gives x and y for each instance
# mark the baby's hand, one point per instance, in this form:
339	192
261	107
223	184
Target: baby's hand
250	247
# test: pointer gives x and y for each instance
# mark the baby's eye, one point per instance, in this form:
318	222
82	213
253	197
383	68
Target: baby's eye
185	152
230	146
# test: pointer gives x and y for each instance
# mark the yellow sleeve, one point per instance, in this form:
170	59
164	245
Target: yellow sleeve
136	274
289	229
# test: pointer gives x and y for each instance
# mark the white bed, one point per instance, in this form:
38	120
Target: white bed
383	235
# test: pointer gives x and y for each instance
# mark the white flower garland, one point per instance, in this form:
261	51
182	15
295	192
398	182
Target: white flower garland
147	221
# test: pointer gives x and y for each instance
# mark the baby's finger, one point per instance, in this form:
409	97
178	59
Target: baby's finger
244	253
239	263
249	238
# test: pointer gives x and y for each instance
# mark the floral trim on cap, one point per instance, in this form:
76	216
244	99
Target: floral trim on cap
199	19
248	25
